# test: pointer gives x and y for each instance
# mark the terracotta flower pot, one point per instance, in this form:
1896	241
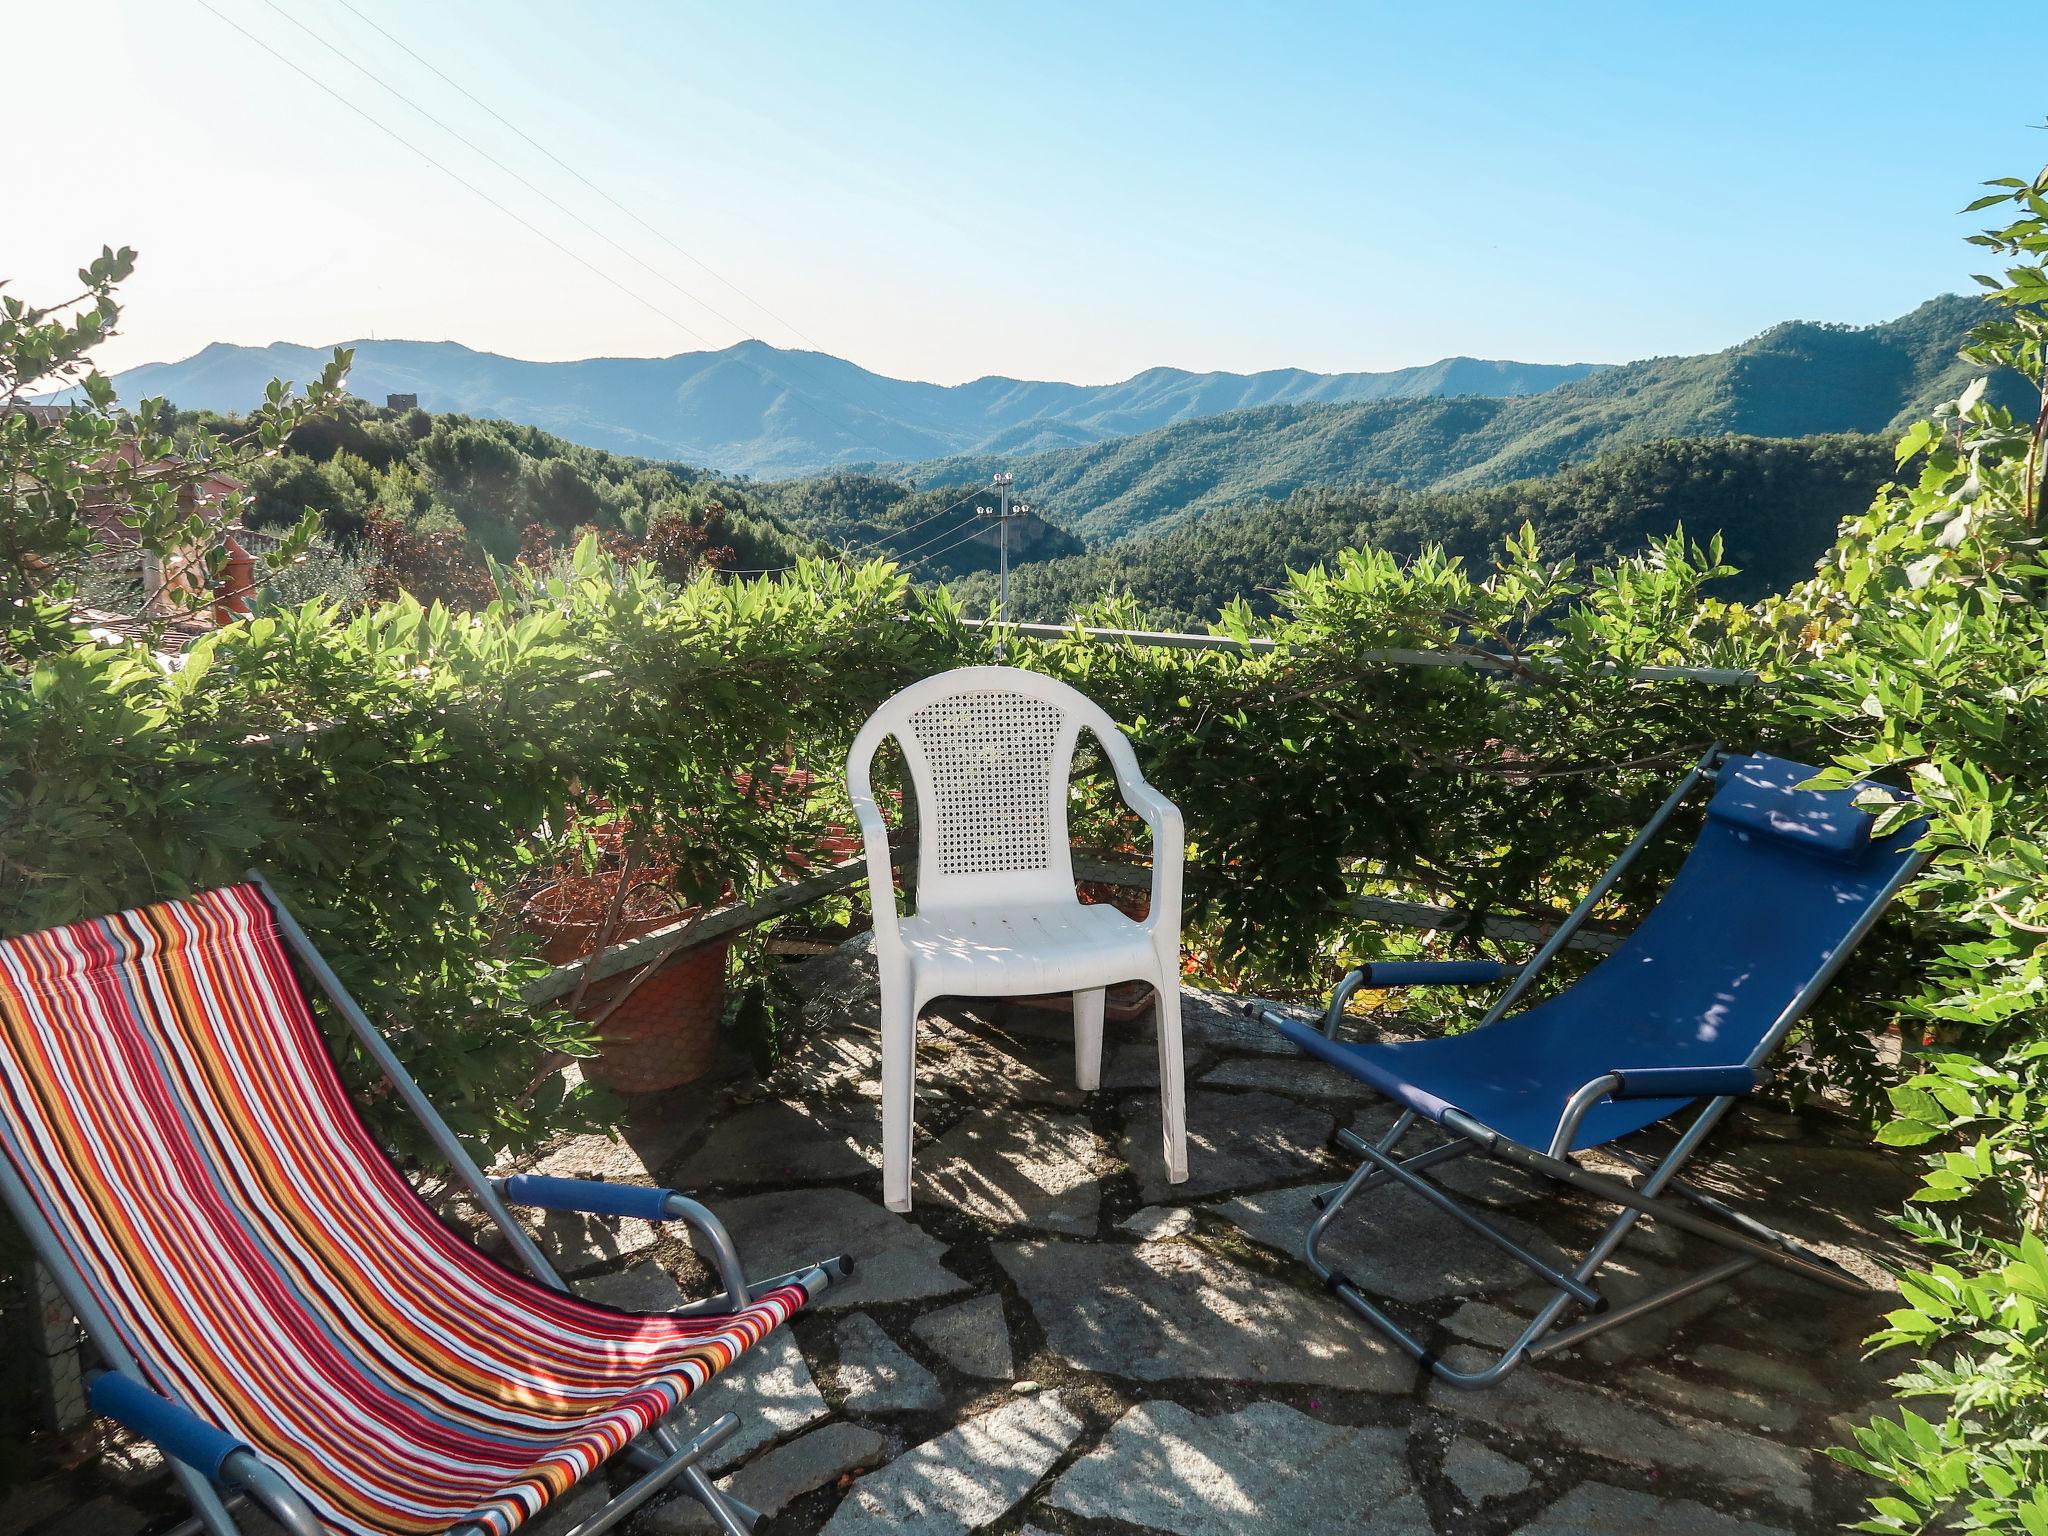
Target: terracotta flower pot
567	915
664	1032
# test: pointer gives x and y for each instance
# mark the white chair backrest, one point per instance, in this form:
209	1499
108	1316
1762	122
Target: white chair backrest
989	752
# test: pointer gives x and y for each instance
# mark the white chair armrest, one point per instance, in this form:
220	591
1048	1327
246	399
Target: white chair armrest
1169	857
874	836
1169	842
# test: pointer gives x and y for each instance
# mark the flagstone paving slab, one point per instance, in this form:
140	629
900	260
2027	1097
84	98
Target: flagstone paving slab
1649	1336
1174	1311
1835	1199
875	1373
1134	1064
1167	1469
644	1287
1235	1140
1157	1223
1480	1473
1482	1179
1389	1245
1297	1076
1773	1373
964	1479
1201	1357
1481	1322
893	1260
611	1158
774	1478
573	1241
1690	1393
958	1060
1008	1167
972	1337
1217	1021
1550	1408
1599	1509
843	1058
772	1143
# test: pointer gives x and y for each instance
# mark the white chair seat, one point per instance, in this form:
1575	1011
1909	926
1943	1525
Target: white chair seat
997	952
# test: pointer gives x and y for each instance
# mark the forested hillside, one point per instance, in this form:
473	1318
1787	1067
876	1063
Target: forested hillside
488	483
761	410
385	480
1776	502
433	495
1794	380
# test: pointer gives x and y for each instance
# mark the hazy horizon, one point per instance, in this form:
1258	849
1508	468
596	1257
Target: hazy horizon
743	341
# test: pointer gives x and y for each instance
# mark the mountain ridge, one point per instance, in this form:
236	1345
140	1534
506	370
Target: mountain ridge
770	412
1796	379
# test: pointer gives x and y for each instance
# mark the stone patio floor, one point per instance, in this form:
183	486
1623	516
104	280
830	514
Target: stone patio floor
1058	1342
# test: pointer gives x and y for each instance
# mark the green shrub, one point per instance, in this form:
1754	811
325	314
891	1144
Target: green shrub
1919	650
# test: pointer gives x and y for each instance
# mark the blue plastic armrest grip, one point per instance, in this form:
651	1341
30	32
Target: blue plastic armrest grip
1684	1082
177	1431
590	1196
1433	973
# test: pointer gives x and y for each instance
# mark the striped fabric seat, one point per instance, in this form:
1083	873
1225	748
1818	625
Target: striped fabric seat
171	1104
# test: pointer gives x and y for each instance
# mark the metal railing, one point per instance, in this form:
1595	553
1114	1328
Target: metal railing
1472	661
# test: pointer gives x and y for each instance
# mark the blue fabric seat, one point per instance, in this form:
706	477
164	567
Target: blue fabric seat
1769	894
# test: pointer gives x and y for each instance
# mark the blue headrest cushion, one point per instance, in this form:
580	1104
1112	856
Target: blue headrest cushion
1758	794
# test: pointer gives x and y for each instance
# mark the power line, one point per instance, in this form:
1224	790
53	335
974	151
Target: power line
898	533
477	149
877	547
899	554
565	165
882	548
454	176
974	532
560	206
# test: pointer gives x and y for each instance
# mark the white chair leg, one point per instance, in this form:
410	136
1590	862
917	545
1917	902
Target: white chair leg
1088	1008
1173	1105
899	1091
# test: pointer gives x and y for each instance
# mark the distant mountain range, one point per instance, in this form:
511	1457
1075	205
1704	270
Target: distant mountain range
759	410
1103	462
1794	380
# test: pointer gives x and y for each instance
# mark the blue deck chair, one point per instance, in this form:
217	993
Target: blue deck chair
274	1306
1780	887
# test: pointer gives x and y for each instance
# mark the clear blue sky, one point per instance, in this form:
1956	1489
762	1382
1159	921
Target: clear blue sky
1052	190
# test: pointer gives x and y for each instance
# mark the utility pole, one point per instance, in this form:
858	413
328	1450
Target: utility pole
1003	515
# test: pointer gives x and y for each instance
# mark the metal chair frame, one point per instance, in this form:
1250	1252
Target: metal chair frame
243	1478
1750	1241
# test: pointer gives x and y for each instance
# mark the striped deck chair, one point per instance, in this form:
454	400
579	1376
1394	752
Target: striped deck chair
276	1307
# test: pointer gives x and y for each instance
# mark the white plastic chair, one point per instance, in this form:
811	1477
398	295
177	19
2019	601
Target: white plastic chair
989	752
